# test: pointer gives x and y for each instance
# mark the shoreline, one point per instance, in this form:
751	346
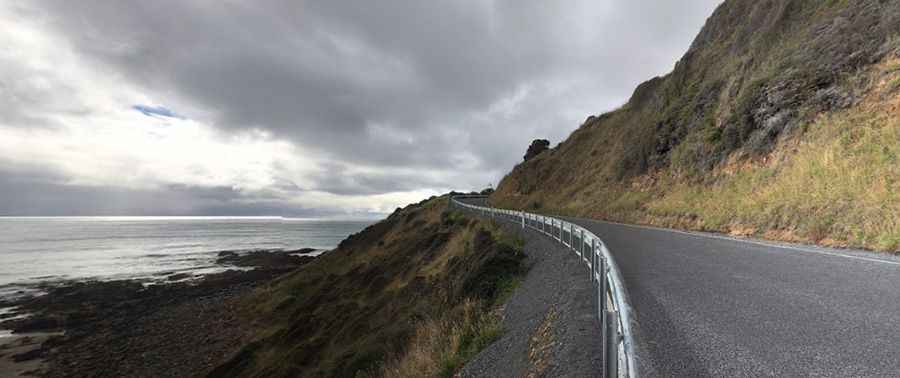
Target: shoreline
35	286
184	324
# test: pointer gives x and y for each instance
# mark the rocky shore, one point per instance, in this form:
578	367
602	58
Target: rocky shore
183	327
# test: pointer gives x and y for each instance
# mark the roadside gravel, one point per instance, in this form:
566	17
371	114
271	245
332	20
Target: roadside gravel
549	324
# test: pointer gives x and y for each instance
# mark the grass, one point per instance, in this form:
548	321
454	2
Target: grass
893	84
837	183
757	131
440	347
840	187
421	285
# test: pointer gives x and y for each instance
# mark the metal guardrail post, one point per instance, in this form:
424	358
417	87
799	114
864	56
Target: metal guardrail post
571	235
593	261
601	309
612	345
580	250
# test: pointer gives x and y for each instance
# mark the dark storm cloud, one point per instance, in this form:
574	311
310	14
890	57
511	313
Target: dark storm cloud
453	88
326	73
40	194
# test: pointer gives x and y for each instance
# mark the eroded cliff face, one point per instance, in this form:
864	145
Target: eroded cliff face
764	85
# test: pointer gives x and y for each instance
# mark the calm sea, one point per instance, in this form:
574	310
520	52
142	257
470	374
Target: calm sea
34	250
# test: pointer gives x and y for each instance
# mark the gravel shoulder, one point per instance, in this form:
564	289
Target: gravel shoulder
549	323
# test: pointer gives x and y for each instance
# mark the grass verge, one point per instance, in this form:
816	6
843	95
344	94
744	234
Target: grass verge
442	345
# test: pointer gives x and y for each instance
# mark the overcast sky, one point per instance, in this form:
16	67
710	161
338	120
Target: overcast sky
327	108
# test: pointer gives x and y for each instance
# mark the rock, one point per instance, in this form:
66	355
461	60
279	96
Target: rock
303	251
178	276
227	254
33	324
29	355
124	328
537	147
267	259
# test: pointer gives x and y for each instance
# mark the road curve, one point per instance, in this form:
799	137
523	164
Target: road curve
708	305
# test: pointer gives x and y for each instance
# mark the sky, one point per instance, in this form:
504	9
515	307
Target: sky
336	108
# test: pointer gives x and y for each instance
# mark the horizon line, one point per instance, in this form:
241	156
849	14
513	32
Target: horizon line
187	217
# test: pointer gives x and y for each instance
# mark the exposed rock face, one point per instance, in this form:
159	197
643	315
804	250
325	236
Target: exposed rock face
749	134
757	72
536	148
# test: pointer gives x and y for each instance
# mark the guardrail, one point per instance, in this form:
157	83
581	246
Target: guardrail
613	309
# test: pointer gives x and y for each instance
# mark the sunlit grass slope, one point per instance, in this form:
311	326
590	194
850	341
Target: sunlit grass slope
780	122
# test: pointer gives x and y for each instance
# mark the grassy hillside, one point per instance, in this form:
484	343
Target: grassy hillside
413	295
780	121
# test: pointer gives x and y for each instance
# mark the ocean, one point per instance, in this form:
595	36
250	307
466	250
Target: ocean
36	249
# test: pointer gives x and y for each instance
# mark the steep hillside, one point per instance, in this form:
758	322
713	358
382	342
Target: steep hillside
412	295
781	121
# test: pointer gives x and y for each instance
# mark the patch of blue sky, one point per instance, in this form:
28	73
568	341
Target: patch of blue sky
156	111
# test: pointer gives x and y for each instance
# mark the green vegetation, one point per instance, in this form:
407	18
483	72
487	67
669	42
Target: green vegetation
839	186
441	347
780	122
419	288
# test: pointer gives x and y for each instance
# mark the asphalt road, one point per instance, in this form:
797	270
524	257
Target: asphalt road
708	305
711	305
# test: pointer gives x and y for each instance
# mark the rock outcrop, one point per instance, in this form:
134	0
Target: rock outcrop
747	102
537	147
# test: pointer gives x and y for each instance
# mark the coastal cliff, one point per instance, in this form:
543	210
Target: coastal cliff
412	295
779	122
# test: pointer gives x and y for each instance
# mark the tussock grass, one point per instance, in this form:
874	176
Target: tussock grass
893	84
424	282
756	132
839	186
440	347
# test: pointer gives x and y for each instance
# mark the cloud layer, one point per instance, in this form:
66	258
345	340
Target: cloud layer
309	107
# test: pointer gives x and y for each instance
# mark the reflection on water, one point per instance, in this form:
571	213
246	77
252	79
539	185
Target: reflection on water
50	249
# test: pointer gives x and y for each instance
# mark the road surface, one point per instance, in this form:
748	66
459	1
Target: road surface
708	305
711	305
